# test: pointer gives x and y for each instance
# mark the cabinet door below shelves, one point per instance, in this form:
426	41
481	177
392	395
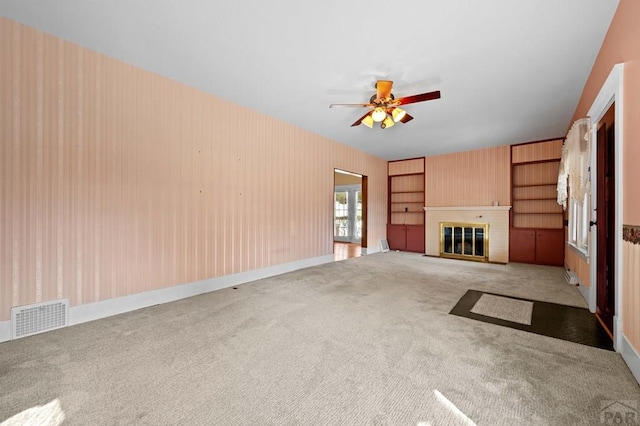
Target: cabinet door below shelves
415	238
522	245
550	247
406	237
396	237
539	246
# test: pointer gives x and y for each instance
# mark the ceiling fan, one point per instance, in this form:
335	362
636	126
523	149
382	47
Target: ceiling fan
386	108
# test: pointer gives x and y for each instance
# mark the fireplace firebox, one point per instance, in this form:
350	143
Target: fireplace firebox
469	241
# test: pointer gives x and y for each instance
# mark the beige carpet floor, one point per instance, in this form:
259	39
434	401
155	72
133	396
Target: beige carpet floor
362	341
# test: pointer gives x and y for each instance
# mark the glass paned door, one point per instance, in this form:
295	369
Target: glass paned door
341	216
347	202
358	221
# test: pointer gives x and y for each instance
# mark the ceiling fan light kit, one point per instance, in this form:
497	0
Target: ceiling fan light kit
385	106
368	121
379	114
398	114
387	122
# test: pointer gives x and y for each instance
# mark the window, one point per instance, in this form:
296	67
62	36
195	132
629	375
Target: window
347	213
579	224
578	159
341	215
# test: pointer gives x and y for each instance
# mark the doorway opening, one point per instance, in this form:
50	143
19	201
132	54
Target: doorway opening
605	214
349	214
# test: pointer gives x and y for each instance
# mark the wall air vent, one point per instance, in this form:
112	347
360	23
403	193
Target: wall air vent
570	277
40	317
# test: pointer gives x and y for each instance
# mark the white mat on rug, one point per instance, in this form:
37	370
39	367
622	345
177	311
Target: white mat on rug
504	308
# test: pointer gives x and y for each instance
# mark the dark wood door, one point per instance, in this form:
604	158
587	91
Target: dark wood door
522	245
550	247
605	214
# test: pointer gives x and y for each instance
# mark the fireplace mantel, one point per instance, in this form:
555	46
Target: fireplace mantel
496	217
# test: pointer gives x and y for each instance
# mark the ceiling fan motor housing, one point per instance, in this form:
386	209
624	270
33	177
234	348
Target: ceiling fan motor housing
374	99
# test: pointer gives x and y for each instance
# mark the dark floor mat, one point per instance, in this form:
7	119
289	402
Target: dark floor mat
570	323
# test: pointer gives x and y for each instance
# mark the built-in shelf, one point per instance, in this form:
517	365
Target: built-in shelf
467	208
533	195
536	184
536	234
405	223
538	213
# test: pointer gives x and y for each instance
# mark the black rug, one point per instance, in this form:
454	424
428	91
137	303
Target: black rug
570	323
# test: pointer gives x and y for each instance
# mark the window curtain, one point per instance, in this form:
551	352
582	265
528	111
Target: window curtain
573	177
563	175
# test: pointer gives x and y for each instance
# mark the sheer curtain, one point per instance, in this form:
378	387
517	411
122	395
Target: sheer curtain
573	177
563	174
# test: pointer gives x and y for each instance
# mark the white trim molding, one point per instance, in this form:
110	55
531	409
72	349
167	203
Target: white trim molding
106	308
611	91
5	331
94	311
588	296
630	356
365	251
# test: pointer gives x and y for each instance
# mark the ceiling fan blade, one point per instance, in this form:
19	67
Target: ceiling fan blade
417	98
383	88
349	105
357	123
406	118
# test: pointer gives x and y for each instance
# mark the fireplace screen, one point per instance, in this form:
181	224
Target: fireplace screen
464	241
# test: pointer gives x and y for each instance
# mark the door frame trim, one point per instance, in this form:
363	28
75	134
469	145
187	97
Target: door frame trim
611	91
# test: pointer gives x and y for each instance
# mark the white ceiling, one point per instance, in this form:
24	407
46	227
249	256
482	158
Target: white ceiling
509	71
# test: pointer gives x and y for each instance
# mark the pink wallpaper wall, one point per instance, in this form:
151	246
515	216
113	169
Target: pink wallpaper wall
115	181
576	263
473	178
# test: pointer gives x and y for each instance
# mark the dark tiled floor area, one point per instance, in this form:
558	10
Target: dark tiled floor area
570	323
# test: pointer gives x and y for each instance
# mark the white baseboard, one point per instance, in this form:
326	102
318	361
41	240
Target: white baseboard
369	250
631	357
617	333
106	308
5	331
587	294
